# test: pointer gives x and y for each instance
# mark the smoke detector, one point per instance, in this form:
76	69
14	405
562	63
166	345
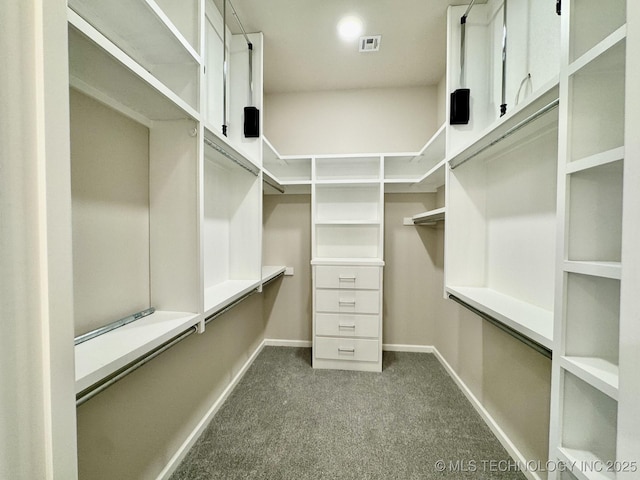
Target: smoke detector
370	43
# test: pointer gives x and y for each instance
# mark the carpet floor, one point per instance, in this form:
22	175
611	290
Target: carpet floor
285	420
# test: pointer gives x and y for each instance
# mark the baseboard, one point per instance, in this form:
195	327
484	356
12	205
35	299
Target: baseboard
197	431
276	342
488	419
391	347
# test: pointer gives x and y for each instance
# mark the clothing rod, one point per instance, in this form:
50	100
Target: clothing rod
112	326
463	25
505	328
250	47
101	386
272	184
230	156
503	106
224	310
273	279
511	131
235	14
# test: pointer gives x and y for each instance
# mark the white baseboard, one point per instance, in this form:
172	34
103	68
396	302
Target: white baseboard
488	419
276	342
391	347
202	424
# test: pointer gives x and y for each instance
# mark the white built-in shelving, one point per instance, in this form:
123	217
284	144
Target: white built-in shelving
586	366
196	246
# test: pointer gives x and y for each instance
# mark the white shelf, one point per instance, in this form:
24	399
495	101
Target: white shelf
492	134
140	28
582	460
429	218
597	372
223	294
348	222
348	261
597	269
601	48
347	182
531	321
101	70
597	160
269	272
417	166
103	355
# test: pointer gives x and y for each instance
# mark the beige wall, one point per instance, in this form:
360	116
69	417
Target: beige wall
287	241
351	121
132	429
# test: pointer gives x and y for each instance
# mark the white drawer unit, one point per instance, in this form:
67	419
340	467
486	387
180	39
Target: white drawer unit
347	349
348	301
347	317
347	325
348	277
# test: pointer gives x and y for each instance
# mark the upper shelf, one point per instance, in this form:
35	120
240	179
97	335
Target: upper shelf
524	120
427	218
140	28
101	70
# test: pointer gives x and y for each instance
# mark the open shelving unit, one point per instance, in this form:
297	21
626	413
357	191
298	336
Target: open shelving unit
585	379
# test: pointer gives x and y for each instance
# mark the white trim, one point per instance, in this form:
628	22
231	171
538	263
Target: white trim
390	347
277	342
177	457
488	419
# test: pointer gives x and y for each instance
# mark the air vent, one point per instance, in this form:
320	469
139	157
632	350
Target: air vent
370	43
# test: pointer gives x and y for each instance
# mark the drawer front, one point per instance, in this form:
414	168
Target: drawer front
346	325
350	349
344	276
348	301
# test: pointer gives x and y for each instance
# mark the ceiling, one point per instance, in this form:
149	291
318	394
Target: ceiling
304	53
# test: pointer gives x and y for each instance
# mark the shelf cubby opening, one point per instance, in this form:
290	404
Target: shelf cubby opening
354	203
589	422
592	317
143	31
348	241
596	108
348	168
231	233
592	21
595	214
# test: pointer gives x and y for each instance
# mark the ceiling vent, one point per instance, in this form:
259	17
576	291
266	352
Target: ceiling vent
370	43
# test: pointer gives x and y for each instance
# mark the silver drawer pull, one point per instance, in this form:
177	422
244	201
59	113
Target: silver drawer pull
352	326
347	302
346	350
347	278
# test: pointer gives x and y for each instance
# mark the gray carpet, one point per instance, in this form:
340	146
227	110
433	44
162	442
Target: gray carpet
285	420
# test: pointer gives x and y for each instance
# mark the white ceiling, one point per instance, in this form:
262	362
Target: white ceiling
303	51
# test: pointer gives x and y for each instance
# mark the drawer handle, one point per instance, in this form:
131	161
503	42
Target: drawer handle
347	302
351	326
347	278
346	350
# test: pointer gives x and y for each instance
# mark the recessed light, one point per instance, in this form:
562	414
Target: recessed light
349	27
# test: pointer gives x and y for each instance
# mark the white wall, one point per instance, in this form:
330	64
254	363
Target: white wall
351	121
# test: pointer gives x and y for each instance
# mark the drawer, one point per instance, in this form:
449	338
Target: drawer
344	276
353	349
346	325
348	301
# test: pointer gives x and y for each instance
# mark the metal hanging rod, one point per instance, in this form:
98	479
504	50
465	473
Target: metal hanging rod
244	33
112	326
463	24
230	156
101	386
224	310
505	328
273	279
273	185
503	105
224	67
534	116
250	47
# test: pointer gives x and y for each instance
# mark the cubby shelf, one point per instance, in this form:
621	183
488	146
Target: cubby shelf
597	372
598	269
104	355
597	160
347	182
601	48
101	70
531	321
347	261
584	463
140	28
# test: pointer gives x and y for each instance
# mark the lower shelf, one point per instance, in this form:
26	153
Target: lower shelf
530	320
585	465
597	372
101	356
225	293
